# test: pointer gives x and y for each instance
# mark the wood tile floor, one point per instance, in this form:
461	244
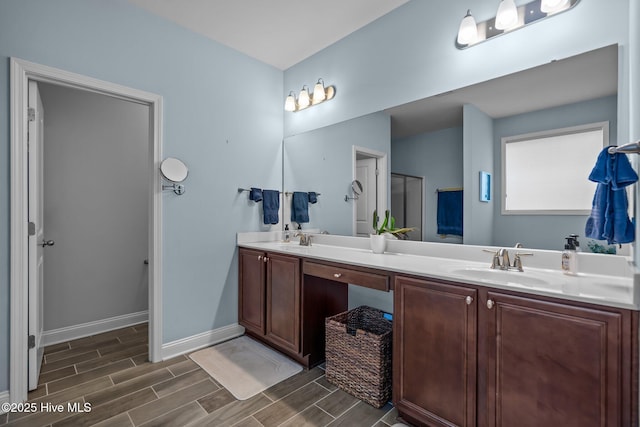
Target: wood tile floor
110	372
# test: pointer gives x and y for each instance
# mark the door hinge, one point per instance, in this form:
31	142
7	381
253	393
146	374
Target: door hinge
32	341
32	229
377	172
31	114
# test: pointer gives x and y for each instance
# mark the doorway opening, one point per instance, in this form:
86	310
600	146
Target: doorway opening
22	239
370	169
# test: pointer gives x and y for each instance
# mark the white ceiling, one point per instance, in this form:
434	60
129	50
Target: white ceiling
277	32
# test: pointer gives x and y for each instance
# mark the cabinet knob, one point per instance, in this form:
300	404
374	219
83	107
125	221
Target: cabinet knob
259	257
468	300
489	304
265	259
337	275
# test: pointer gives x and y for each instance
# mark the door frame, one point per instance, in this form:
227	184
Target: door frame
21	72
383	180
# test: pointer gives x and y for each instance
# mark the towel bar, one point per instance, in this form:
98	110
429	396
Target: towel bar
630	148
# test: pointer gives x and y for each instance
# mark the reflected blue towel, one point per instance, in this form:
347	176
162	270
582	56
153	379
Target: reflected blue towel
270	206
255	194
609	220
313	197
450	212
300	207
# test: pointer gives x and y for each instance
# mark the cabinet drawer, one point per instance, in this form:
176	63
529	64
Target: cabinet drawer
346	275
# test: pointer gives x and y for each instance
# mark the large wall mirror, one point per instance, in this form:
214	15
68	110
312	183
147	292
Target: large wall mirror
446	140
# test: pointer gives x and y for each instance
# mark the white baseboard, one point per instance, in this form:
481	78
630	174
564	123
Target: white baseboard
205	339
69	333
4	398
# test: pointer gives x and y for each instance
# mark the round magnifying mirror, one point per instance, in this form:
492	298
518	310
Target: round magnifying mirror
173	169
356	187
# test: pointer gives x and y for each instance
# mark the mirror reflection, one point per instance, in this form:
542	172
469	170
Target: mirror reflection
445	141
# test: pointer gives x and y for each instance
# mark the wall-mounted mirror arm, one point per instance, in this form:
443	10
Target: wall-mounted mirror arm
177	188
175	171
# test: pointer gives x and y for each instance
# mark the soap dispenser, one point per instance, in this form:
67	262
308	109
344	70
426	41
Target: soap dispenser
287	234
570	255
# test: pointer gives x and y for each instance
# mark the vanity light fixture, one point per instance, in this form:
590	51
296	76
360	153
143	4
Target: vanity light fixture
553	6
509	17
290	103
319	94
304	100
468	31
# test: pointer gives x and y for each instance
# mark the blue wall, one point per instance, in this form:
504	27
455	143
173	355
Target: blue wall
477	156
226	139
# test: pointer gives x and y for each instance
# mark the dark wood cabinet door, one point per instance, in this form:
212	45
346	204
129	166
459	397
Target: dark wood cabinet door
251	292
551	364
283	301
434	364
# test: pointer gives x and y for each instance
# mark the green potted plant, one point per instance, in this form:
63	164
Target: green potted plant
388	227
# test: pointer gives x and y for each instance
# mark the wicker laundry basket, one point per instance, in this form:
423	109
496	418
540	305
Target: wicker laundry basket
358	354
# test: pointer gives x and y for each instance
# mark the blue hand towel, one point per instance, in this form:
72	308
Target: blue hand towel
270	206
609	220
255	194
449	216
313	197
300	207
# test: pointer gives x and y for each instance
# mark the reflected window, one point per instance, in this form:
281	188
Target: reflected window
546	173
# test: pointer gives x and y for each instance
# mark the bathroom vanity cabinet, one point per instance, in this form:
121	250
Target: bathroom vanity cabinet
468	355
463	354
269	298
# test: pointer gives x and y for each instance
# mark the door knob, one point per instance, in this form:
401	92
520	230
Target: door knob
47	243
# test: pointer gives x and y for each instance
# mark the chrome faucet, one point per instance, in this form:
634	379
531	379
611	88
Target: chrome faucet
305	239
505	263
501	259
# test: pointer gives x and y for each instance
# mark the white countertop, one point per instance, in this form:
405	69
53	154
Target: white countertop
604	279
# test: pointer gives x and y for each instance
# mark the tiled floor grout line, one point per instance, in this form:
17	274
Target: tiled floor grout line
316	405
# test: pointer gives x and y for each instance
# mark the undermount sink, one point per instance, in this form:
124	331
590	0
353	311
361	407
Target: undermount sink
503	276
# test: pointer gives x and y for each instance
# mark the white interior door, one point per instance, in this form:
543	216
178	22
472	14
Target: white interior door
366	173
37	242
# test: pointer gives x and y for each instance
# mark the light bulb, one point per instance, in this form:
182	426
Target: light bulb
551	6
507	16
290	102
468	31
303	98
319	94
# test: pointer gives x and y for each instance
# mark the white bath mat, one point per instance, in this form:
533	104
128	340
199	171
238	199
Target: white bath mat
244	366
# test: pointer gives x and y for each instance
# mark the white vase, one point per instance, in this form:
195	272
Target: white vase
378	243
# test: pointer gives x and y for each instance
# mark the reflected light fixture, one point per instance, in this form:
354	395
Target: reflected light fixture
551	6
507	16
319	95
468	31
